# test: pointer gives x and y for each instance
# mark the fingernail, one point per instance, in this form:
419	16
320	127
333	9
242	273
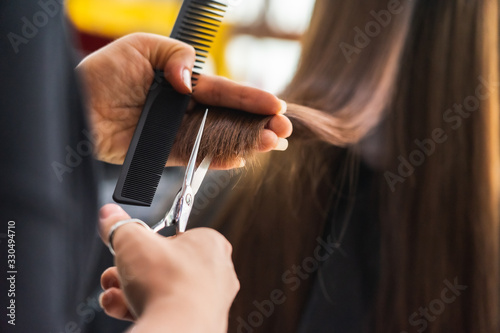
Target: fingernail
282	144
283	107
186	75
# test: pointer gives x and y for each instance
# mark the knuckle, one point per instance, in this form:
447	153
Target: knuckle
244	97
237	284
190	49
228	245
182	47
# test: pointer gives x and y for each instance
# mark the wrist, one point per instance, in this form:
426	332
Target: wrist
179	314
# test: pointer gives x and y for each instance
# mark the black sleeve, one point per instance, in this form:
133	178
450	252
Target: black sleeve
47	186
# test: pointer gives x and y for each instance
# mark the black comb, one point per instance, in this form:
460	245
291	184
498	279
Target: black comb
197	23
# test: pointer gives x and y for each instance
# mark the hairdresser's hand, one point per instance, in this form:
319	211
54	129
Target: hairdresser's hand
118	76
179	284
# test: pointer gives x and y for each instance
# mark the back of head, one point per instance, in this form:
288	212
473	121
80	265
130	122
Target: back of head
411	88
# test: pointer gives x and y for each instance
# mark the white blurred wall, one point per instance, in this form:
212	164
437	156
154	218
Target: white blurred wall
267	63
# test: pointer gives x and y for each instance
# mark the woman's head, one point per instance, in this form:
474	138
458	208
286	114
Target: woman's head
422	86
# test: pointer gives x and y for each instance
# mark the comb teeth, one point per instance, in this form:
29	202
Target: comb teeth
197	25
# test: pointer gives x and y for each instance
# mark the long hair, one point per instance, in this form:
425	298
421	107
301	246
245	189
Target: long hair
415	96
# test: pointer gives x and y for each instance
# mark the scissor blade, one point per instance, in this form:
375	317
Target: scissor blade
159	226
188	179
200	174
181	209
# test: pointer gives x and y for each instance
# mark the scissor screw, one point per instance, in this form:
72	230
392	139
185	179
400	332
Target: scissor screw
189	199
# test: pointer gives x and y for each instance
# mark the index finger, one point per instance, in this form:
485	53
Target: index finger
219	91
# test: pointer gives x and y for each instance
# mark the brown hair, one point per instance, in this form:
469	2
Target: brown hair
439	221
228	135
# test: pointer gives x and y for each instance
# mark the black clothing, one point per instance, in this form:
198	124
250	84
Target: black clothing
344	286
47	182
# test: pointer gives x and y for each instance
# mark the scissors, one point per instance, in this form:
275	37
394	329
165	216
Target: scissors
178	215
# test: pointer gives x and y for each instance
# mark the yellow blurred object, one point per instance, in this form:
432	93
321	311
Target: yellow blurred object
116	18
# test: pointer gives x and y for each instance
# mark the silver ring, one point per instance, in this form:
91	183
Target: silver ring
119	224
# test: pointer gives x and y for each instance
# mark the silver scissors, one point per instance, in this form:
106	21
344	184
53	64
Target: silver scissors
178	215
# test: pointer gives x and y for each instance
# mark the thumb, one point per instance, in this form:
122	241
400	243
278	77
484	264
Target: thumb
173	56
108	216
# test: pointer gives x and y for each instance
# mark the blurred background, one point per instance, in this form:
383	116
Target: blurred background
258	43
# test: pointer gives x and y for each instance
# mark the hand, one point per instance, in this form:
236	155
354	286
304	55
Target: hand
118	76
166	282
